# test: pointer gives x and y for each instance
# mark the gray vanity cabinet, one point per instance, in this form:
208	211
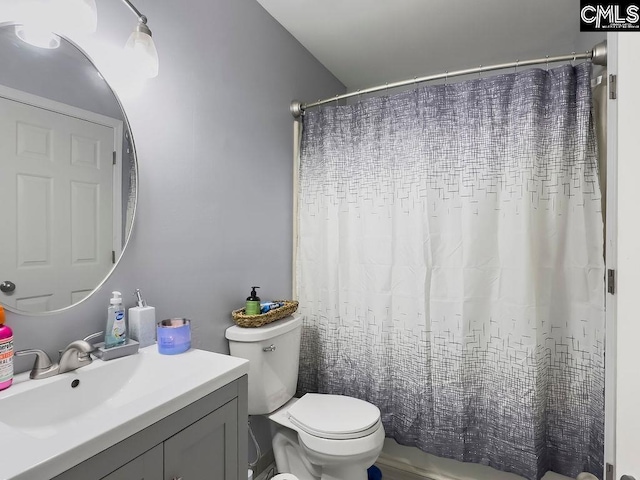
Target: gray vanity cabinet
206	440
206	446
148	466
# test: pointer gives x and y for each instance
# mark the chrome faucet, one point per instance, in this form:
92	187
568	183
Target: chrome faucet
75	356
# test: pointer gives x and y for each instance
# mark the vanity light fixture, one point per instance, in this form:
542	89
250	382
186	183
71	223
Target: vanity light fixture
71	17
141	46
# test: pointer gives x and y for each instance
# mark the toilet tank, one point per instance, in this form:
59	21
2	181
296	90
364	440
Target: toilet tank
273	351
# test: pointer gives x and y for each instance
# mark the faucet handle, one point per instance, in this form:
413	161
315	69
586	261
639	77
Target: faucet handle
82	349
93	336
84	357
76	355
80	346
42	362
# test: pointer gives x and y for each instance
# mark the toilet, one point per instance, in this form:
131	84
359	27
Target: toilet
318	436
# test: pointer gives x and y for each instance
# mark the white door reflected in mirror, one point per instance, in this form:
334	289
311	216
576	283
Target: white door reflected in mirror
58	179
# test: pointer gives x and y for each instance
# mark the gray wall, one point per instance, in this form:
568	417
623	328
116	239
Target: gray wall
213	134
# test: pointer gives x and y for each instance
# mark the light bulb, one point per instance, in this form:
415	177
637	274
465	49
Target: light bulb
143	53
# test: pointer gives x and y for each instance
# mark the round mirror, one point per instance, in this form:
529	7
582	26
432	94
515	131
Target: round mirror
68	176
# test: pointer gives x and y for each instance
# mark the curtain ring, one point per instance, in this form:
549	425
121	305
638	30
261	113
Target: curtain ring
515	69
574	58
446	78
359	92
547	63
337	99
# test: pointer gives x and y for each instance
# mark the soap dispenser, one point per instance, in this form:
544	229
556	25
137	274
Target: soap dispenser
142	322
116	332
253	303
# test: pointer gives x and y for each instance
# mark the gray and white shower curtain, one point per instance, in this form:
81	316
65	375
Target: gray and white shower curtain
450	268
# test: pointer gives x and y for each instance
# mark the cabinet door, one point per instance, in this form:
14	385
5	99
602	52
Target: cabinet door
206	450
147	466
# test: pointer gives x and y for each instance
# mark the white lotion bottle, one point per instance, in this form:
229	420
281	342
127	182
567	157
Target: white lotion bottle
142	322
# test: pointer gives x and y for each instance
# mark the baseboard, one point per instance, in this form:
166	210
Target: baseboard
394	470
408	463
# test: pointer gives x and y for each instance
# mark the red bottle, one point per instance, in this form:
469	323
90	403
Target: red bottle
6	353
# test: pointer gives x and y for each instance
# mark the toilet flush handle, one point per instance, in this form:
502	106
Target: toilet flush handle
270	348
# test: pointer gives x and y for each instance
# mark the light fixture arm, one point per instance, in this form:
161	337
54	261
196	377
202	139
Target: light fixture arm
141	18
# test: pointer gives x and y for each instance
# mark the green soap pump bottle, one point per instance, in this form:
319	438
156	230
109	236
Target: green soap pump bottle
253	303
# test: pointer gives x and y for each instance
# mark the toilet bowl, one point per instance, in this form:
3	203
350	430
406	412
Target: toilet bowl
318	436
327	437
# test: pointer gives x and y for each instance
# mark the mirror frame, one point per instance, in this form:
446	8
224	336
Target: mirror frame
136	185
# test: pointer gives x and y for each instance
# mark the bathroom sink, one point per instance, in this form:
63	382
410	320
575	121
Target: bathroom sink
42	407
60	421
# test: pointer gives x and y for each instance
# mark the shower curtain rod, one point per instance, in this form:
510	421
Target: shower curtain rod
597	55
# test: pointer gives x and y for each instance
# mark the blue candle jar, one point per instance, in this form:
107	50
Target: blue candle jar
174	336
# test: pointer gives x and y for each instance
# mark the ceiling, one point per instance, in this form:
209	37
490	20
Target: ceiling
370	42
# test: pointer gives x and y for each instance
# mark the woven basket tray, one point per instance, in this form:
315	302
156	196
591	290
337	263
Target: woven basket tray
251	321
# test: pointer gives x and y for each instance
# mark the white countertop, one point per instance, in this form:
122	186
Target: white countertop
148	387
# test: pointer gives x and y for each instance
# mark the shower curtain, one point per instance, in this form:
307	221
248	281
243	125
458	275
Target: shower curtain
450	268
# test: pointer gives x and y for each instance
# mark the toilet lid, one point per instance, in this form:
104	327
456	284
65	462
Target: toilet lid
334	416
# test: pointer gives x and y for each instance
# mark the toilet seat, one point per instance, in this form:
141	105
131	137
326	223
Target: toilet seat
334	417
